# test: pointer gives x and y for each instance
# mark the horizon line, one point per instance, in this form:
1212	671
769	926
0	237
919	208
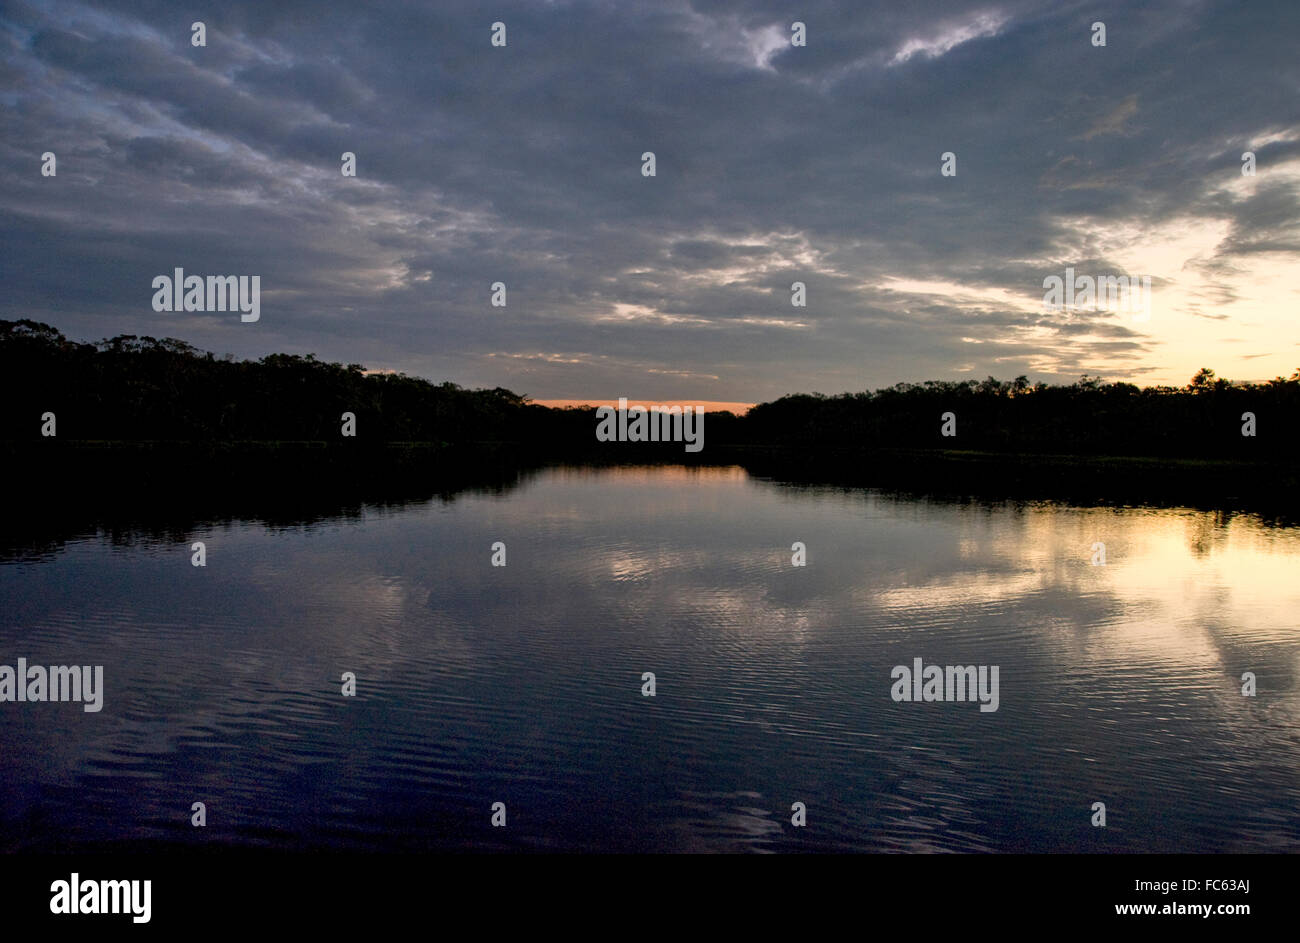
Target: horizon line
703	405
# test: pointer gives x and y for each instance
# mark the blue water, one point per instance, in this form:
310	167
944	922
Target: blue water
1119	683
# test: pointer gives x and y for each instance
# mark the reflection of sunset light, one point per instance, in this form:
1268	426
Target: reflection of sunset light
1178	580
641	474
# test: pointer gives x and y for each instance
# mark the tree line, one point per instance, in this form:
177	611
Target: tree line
1206	418
133	388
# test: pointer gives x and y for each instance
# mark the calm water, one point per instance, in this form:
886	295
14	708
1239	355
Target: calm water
522	684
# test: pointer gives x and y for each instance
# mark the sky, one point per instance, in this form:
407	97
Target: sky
774	163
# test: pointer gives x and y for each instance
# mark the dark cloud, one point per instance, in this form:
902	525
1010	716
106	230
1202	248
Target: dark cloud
522	165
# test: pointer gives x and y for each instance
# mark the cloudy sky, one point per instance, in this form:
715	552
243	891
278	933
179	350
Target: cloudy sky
522	164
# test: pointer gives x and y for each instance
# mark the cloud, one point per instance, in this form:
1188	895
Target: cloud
939	41
776	164
1114	120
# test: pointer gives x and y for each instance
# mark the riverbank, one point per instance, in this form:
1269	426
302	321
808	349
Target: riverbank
286	470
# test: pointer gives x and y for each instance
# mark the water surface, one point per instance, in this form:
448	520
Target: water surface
522	684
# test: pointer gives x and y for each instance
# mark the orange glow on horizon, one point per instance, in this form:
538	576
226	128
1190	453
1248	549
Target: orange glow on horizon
707	405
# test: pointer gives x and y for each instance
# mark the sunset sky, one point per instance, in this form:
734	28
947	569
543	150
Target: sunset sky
522	164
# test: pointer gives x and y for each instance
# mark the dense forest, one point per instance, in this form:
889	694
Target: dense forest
131	389
1201	420
141	388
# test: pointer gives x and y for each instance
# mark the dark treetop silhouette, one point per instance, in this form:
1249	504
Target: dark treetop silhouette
139	388
161	414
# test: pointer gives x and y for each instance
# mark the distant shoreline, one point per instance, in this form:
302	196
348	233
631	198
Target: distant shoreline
706	405
355	468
